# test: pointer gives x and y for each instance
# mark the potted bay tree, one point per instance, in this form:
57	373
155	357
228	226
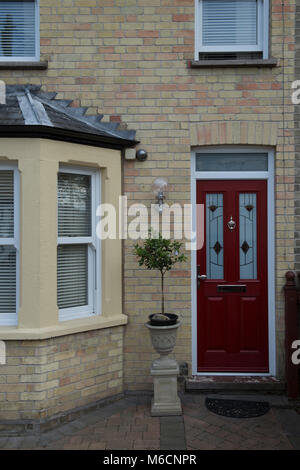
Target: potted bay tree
161	254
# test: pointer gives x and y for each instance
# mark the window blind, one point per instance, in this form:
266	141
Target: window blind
7	279
72	276
17	28
7	251
6	204
229	22
74	232
74	205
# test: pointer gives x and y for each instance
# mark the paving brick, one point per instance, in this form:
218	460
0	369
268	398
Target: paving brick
173	433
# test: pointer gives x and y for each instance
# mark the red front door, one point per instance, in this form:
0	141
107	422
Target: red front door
232	300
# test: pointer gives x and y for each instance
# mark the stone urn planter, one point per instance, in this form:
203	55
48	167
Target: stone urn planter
163	338
164	371
162	254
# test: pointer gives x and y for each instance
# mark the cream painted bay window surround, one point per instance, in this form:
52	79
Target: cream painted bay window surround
56	278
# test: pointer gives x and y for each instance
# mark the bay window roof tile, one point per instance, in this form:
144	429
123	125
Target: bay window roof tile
32	112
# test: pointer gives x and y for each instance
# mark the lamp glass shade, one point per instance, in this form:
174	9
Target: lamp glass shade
159	185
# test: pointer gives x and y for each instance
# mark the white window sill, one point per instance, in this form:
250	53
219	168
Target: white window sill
64	328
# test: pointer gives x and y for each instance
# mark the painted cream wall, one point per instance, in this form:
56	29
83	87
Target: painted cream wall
38	162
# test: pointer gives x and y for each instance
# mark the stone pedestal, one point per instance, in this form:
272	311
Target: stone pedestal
165	401
164	372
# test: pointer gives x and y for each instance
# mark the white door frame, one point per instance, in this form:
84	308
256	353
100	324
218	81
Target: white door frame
249	175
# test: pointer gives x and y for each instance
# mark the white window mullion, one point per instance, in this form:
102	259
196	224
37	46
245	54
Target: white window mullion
264	18
74	240
7	241
96	243
198	27
91	276
92	249
37	29
16	209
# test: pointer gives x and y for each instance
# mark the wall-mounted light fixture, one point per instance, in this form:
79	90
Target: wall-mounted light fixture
141	155
131	154
159	187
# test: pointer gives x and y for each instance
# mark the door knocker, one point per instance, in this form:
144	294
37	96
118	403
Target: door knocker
231	224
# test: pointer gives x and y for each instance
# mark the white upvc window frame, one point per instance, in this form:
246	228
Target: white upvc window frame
11	319
36	57
94	249
262	31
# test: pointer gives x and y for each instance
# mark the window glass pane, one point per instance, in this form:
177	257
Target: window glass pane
72	276
232	162
229	22
248	261
7	279
74	205
214	236
17	28
6	204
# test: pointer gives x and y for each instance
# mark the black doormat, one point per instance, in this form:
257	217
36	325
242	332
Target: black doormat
237	408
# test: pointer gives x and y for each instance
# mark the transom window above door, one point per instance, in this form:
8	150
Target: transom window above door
231	161
232	28
19	30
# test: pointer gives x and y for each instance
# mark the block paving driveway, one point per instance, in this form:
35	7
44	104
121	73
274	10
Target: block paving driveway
127	424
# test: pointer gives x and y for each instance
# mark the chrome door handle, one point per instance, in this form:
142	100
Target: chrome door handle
200	277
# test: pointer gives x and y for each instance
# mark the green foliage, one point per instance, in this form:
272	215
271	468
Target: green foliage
159	253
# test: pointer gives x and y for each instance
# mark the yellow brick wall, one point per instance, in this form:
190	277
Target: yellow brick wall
129	60
45	378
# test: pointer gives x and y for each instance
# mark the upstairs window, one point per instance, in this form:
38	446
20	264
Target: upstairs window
19	30
232	29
